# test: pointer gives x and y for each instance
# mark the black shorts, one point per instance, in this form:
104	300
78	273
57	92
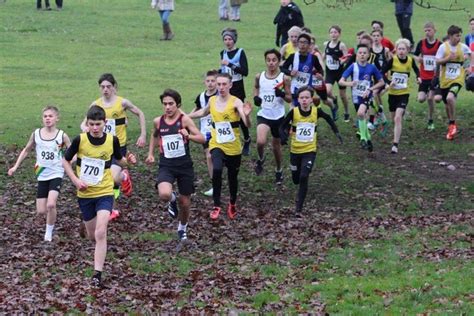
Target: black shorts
426	86
123	151
273	124
397	101
323	94
48	185
454	89
183	175
333	77
90	206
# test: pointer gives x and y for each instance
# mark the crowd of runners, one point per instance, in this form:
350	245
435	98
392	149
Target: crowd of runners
300	74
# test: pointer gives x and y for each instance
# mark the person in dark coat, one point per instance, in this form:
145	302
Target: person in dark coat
288	16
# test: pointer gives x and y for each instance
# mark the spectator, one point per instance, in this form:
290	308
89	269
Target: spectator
288	16
165	7
223	10
403	12
235	9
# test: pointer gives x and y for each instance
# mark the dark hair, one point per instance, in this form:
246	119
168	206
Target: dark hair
272	51
377	22
306	30
109	77
212	72
172	94
305	88
366	37
96	113
377	31
305	35
224	75
362	46
453	29
471	19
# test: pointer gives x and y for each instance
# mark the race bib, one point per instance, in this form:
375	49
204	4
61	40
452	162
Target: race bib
224	132
305	132
332	63
206	124
301	79
429	62
109	126
92	170
317	83
453	71
361	87
401	80
268	99
46	157
173	146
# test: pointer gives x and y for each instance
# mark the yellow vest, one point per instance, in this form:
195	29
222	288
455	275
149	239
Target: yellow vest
96	155
400	72
116	112
452	71
289	49
304	134
225	133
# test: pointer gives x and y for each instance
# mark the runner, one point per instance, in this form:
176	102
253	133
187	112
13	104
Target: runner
50	143
365	79
271	90
385	41
425	55
302	66
234	62
398	94
302	122
451	56
205	124
226	111
93	180
172	132
292	45
335	53
115	108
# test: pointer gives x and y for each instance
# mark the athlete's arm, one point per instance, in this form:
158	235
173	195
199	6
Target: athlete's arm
190	131
243	69
154	140
284	128
128	105
417	71
257	100
287	87
67	164
330	121
244	111
346	74
285	68
121	160
23	154
199	113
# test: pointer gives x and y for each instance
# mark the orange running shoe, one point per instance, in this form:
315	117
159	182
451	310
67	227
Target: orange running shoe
231	211
215	212
452	130
127	183
114	214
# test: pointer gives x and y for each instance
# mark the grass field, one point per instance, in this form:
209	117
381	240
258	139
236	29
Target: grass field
382	234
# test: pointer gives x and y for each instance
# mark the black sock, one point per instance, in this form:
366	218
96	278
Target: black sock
430	121
452	122
395	144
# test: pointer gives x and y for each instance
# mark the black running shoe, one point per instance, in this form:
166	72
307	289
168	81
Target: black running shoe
182	235
246	148
96	283
363	144
370	147
279	177
259	167
173	206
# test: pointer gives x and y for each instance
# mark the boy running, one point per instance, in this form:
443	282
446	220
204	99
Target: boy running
50	143
271	90
172	132
94	182
425	53
364	75
205	123
451	56
234	63
302	121
398	93
115	109
226	111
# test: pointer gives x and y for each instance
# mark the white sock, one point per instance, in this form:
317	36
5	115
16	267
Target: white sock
48	235
182	227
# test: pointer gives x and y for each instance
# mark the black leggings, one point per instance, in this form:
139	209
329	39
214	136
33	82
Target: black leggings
219	160
301	166
403	21
59	3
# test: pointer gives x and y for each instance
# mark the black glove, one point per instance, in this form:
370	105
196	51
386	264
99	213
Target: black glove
279	93
257	100
338	135
434	83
